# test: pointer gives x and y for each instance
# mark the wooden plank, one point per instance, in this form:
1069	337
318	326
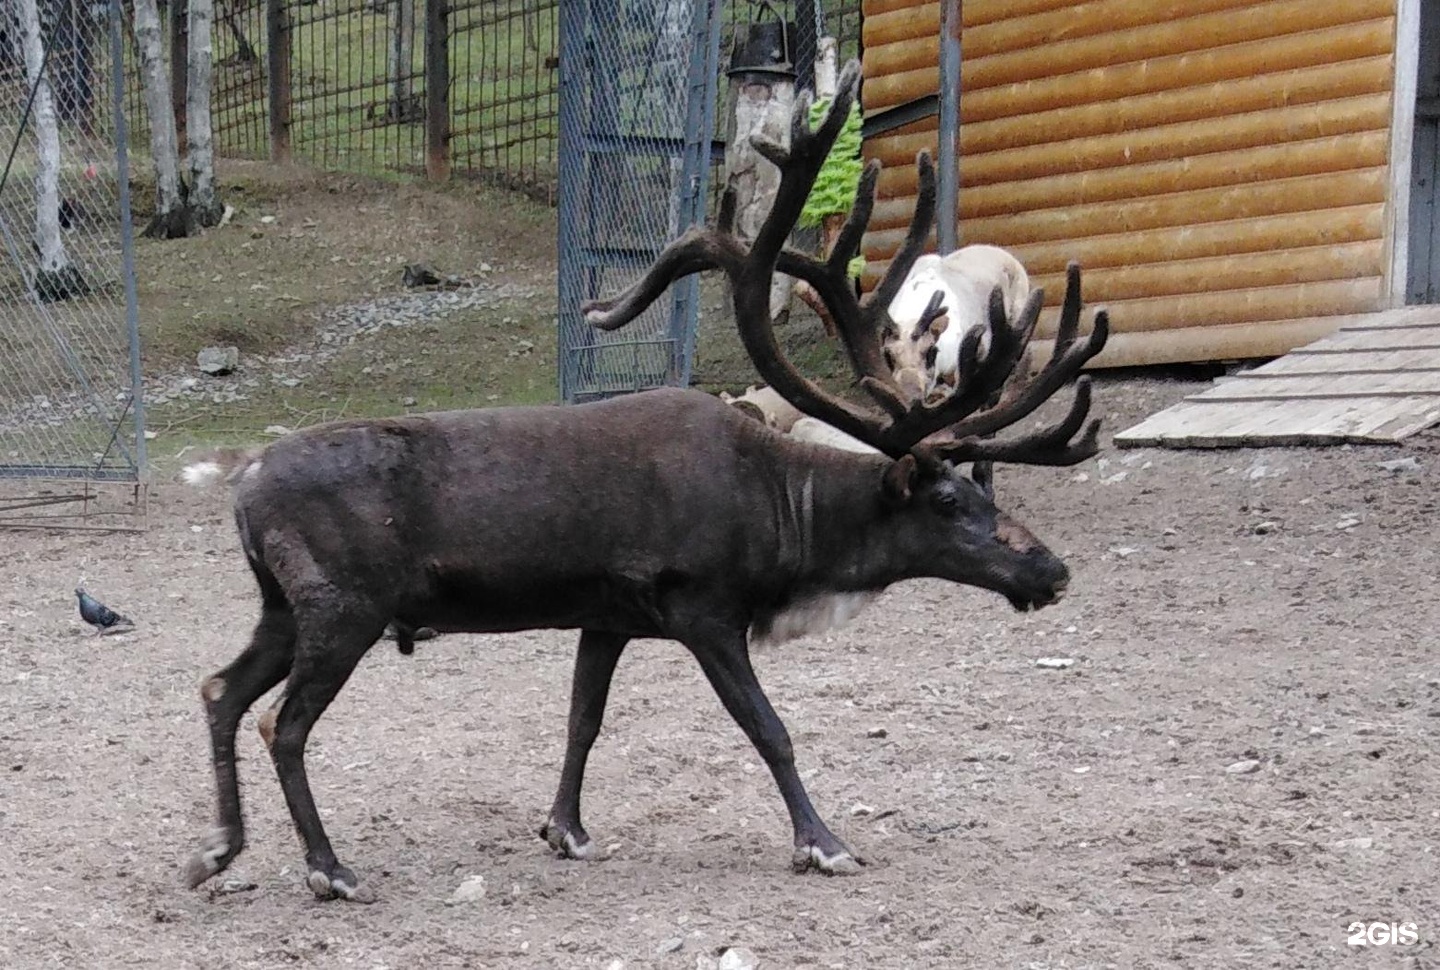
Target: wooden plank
1283	423
1182	277
1310	193
1000	159
1222	307
1402	339
1318	156
1378	423
1099	53
1267	92
1242	387
1225	342
1230	63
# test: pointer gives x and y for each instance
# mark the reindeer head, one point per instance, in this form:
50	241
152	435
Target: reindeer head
945	524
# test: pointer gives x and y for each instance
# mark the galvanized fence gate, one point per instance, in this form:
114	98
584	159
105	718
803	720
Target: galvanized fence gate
70	405
637	109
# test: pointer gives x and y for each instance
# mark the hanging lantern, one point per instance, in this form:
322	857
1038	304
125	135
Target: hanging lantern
763	49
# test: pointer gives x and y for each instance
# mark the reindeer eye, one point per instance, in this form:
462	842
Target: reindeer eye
946	503
931	356
889	357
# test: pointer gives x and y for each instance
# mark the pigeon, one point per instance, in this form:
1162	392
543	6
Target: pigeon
101	617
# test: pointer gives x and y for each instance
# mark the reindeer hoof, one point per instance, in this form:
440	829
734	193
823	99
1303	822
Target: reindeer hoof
342	884
838	863
570	841
216	851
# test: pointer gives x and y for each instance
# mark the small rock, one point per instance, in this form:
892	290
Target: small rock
1265	528
1123	551
1247	767
469	891
859	809
231	886
615	964
408	402
419	274
485	267
1055	663
669	946
1397	465
267	220
1363	842
218	361
1082	770
877	732
738	958
1349	522
276	430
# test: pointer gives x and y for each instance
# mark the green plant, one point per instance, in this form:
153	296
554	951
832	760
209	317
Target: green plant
834	191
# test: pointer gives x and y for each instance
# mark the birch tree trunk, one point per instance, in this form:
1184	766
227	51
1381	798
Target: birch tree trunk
55	278
403	106
208	207
173	216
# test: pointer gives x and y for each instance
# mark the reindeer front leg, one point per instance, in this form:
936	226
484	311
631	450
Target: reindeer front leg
724	656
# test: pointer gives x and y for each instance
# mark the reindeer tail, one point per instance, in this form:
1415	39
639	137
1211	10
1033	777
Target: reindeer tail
223	463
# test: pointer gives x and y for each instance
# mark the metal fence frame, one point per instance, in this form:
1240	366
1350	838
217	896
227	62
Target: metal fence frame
635	161
71	403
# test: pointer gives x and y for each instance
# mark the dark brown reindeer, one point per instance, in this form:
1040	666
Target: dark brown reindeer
661	514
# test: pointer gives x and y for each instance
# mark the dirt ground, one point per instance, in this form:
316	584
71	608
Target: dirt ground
1019	816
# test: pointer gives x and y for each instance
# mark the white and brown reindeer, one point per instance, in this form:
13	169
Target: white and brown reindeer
664	514
923	349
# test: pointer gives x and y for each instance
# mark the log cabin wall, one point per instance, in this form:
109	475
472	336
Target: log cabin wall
1220	168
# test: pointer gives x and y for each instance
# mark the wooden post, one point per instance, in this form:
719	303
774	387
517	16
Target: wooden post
437	89
762	94
277	29
179	68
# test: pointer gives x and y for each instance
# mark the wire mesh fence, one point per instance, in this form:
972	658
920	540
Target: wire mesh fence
637	121
69	396
720	362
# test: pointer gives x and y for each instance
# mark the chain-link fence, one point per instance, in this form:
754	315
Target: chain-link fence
69	386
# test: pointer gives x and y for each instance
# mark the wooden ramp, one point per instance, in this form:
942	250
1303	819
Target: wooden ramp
1375	380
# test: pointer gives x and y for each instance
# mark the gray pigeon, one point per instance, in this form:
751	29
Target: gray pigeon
101	617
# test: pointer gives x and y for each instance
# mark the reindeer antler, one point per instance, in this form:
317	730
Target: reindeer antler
954	428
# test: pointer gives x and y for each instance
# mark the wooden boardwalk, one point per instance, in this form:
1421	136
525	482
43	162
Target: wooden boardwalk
1374	380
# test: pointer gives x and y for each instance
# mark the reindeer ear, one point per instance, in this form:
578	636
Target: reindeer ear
939	325
898	484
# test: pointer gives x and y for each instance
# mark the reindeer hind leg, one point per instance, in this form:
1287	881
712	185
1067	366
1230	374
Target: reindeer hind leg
227	696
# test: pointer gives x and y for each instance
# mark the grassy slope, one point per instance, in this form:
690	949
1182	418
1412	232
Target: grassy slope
333	239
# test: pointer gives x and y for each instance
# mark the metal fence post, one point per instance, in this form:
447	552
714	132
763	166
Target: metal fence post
947	197
277	29
437	89
127	236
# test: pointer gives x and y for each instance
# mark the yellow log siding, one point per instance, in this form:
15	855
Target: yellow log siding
1212	164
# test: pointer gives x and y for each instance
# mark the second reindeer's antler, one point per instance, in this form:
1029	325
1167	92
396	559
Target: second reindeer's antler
956	428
